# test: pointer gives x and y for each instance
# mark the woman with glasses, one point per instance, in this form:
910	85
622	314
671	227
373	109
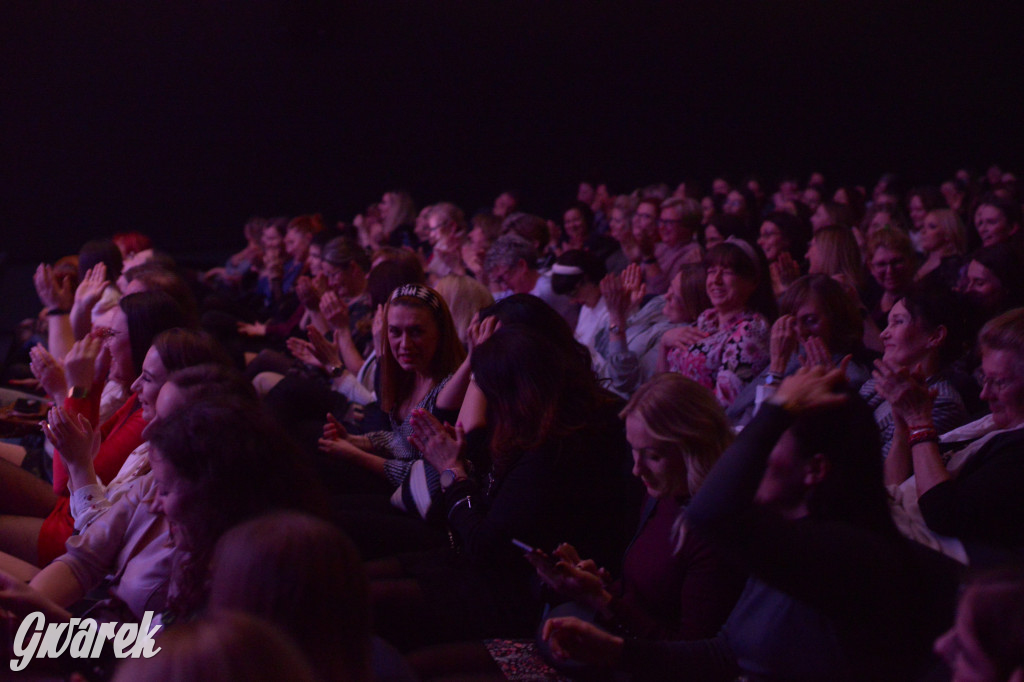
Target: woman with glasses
970	506
728	345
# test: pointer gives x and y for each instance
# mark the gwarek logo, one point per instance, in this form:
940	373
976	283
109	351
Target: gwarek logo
81	638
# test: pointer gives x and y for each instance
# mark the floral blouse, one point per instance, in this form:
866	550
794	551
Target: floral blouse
727	359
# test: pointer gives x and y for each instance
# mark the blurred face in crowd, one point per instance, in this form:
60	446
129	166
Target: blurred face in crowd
811	197
575	228
675	308
707	209
388	203
658	465
983	286
671	228
933	236
890	268
917	211
619	226
503	205
712	237
645	222
313	259
122	368
271	240
820	218
296	243
1003	387
171	497
149	383
728	290
771	240
962	652
811	320
992	225
735	204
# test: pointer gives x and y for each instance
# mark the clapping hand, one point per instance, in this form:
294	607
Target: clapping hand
907	392
334	310
783	343
326	353
303	351
816	353
442	446
48	371
91	287
73	436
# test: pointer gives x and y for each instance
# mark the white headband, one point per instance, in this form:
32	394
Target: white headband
559	269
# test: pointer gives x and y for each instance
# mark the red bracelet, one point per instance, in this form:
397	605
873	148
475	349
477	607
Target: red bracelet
926	434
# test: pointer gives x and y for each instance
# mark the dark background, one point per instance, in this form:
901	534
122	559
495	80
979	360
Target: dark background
182	118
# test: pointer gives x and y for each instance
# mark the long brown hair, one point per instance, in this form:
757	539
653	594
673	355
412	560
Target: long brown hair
535	390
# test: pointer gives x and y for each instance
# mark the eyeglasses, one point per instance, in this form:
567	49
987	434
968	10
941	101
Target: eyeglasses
893	264
669	221
996	383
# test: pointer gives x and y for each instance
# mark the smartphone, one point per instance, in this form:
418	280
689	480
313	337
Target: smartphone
533	550
27	408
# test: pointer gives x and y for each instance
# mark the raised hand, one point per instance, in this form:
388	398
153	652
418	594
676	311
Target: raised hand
91	287
82	361
48	371
784	271
441	445
53	292
616	298
481	330
73	436
633	283
812	388
784	342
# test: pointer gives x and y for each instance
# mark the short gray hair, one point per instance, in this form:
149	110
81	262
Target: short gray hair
508	249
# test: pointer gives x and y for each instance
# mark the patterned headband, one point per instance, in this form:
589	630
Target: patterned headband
418	291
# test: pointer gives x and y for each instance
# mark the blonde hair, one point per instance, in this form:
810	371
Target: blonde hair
840	254
465	297
683	414
1006	333
951	225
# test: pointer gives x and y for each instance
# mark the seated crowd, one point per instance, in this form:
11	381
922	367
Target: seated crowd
666	435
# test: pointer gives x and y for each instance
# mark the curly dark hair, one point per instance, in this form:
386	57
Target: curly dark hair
235	463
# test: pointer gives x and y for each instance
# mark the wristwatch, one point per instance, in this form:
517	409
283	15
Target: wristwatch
449	477
335	371
772	379
78	392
